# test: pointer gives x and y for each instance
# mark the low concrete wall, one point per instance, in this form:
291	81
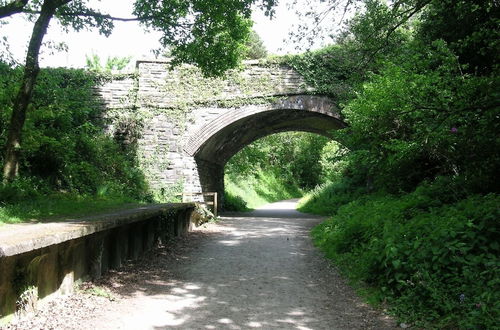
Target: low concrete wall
41	261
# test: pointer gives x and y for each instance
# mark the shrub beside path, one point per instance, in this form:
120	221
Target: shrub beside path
250	270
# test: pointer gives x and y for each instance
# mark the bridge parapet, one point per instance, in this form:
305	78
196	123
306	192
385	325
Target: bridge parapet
162	87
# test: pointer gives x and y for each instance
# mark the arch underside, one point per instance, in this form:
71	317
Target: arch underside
221	146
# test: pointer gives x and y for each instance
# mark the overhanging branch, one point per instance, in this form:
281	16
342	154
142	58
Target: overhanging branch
12	8
95	15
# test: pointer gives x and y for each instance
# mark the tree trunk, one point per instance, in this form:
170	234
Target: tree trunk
23	98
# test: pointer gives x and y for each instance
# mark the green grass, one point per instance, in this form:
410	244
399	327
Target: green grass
327	198
56	206
250	192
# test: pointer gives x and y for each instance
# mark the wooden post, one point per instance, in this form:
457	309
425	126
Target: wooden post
215	204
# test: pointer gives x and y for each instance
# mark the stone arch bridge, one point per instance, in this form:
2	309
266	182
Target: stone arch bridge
186	127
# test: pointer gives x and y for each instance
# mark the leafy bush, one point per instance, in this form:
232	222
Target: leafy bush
437	264
65	147
21	189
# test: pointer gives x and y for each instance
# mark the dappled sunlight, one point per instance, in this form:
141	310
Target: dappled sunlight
197	309
250	272
254	324
263	299
296	312
229	243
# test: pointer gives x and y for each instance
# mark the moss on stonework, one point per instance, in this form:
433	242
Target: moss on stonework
189	87
184	89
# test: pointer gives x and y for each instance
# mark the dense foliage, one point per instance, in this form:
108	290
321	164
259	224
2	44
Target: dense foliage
435	262
412	183
65	147
413	187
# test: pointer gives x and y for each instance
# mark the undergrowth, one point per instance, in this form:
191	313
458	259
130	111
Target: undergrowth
326	198
431	255
250	191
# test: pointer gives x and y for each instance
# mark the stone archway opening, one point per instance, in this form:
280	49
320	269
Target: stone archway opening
216	142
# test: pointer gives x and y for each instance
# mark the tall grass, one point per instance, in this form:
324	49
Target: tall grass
326	198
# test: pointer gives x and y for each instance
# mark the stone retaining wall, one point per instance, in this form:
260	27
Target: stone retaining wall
38	262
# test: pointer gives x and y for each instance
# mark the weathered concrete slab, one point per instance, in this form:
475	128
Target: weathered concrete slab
39	262
20	238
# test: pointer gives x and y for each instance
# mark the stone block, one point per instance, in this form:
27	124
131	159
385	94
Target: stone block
149	234
66	259
135	241
115	249
79	259
106	251
8	294
45	268
123	244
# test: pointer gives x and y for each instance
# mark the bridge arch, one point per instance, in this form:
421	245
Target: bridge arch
213	144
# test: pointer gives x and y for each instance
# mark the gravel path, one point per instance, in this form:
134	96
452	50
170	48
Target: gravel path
251	270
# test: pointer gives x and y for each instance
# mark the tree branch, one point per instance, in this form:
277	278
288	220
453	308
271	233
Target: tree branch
94	14
12	8
406	16
102	16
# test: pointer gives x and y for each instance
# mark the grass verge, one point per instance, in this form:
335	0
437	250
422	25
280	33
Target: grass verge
431	256
56	206
249	192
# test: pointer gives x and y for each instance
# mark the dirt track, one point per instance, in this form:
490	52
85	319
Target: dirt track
251	270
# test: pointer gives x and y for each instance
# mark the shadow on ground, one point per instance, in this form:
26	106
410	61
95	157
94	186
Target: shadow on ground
252	270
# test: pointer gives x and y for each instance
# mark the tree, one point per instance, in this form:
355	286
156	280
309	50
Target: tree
207	33
255	48
429	106
93	63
